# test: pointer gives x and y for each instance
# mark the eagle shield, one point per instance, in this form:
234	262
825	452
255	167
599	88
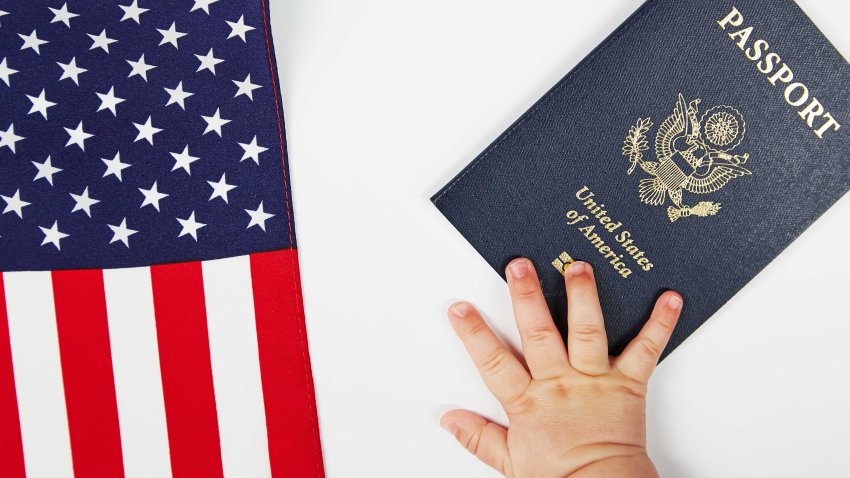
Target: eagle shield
693	154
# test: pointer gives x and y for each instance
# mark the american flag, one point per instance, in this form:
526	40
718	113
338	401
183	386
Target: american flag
151	321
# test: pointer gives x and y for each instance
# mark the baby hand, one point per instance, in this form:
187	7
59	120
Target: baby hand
579	414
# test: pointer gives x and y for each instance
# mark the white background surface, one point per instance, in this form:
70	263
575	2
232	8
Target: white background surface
386	100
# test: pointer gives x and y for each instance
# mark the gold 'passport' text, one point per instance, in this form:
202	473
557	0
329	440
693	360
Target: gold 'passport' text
797	94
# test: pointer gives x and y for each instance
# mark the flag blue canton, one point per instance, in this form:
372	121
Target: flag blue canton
135	132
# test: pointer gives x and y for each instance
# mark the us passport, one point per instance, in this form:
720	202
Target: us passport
685	152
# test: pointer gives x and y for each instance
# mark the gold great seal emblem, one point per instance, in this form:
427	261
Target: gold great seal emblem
694	154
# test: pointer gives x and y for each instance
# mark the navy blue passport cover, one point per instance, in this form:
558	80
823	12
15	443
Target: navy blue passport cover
685	152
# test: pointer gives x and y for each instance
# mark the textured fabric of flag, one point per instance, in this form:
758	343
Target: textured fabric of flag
151	321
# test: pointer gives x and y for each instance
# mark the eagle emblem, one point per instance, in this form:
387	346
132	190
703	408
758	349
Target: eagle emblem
694	154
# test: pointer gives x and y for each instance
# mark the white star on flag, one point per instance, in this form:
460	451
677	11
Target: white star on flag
46	170
184	160
32	41
121	233
8	138
114	166
203	5
238	28
83	202
178	96
146	131
53	235
140	68
6	72
215	122
171	35
190	226
208	61
109	101
40	104
62	15
133	12
15	204
246	87
221	188
101	41
258	217
152	196
252	150
78	136
71	70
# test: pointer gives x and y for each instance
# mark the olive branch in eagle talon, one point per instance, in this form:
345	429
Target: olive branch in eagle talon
685	143
636	142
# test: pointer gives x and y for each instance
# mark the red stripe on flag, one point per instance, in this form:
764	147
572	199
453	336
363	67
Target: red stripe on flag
87	373
11	445
294	446
187	383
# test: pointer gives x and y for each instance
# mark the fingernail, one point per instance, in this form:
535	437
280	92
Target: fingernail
448	425
675	302
578	268
519	268
460	309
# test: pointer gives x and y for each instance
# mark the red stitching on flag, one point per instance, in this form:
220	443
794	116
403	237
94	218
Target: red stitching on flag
305	359
277	100
287	393
294	261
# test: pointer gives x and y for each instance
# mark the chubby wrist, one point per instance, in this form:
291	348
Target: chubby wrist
615	461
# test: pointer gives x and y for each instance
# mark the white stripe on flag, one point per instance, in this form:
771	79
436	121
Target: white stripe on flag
38	374
135	364
236	367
